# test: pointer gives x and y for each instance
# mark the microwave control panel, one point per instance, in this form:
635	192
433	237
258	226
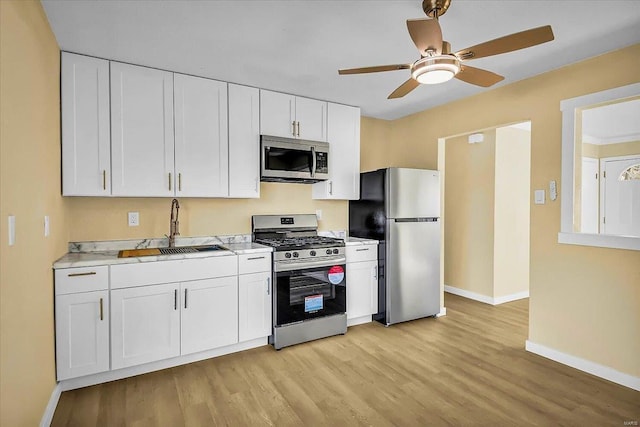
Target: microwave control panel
322	162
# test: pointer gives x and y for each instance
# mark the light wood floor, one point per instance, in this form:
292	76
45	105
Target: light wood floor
467	368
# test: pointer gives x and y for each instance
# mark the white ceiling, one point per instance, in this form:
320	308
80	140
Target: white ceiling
298	46
612	124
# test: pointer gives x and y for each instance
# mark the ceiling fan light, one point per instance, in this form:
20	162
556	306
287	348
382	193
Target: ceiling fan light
435	69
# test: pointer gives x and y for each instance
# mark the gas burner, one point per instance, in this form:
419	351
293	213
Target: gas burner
307	242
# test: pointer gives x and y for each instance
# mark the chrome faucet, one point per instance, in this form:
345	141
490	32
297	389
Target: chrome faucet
174	225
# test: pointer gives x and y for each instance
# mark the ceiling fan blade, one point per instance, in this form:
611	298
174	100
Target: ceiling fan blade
404	89
375	69
478	76
426	34
516	41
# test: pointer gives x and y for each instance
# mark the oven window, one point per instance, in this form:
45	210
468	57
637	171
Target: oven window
310	293
287	159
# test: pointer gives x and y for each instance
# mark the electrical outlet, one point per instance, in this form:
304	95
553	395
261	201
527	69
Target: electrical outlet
134	219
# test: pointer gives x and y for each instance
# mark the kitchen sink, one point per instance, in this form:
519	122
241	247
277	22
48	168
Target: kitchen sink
129	253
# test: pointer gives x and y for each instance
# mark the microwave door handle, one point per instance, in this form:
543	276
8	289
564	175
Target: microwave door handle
313	162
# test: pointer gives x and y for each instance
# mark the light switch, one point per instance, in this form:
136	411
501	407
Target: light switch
47	230
12	230
539	197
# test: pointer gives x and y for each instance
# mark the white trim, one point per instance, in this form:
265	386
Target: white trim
584	365
468	294
358	320
118	374
486	299
600	240
568	108
443	312
510	297
50	410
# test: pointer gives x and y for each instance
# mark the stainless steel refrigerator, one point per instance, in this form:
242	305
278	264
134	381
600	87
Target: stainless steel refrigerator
400	208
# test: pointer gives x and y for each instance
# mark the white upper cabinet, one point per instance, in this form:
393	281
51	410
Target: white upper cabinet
86	158
344	155
311	119
292	116
244	141
201	139
141	131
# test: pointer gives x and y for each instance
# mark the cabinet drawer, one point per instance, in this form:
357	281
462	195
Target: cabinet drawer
359	253
180	270
81	279
254	263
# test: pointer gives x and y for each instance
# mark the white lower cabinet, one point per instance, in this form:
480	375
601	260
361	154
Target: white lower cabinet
82	334
209	313
254	301
362	281
145	324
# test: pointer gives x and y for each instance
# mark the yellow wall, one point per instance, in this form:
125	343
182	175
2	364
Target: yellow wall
469	202
99	218
610	150
511	220
583	300
376	136
30	189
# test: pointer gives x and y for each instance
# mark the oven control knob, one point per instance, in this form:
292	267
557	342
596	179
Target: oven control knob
312	253
295	254
335	251
328	251
287	255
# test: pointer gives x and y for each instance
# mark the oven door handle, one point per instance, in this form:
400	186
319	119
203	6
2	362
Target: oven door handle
290	266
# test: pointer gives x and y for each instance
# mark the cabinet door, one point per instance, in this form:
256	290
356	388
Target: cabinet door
145	324
201	140
244	141
344	155
254	303
86	157
362	289
209	314
277	114
82	334
311	118
141	131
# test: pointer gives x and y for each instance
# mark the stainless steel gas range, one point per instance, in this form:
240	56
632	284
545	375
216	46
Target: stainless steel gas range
309	277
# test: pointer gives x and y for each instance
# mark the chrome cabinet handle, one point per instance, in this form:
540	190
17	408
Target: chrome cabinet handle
298	126
255	257
179	181
268	285
89	273
185	298
362	249
175	299
101	310
331	187
104	179
293	128
169	181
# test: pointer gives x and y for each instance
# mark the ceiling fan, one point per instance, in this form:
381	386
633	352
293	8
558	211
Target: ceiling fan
437	64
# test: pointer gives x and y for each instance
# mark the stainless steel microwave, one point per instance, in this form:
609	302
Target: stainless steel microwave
293	160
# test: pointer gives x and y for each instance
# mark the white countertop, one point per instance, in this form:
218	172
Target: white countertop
89	254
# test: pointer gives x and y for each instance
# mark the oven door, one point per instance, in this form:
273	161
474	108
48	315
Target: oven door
308	293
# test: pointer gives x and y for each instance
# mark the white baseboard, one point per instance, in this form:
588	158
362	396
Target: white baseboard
47	417
511	297
484	298
443	312
584	365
